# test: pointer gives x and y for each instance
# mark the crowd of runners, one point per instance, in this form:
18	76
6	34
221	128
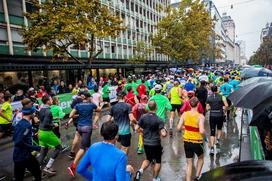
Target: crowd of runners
136	106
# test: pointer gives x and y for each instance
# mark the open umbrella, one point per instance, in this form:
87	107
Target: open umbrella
256	72
252	95
261	114
254	80
253	170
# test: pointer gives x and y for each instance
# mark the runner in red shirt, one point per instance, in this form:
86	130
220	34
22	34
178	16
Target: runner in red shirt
186	106
141	89
131	98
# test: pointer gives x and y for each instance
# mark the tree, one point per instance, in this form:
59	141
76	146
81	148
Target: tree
58	25
185	32
141	53
263	56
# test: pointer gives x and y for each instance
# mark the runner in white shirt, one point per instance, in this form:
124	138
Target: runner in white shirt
113	94
98	100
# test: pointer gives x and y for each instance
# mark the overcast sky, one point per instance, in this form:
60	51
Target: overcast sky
250	16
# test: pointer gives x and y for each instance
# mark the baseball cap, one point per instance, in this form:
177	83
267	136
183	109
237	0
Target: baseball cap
28	111
158	87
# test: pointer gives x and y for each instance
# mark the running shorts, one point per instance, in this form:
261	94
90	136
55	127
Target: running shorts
216	122
193	148
48	139
153	153
125	140
176	107
85	132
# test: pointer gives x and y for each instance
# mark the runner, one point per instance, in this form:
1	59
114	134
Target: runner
22	157
202	94
216	103
226	89
194	132
176	97
6	115
106	161
152	127
85	110
186	106
47	138
163	104
98	100
58	115
131	98
141	89
139	110
122	114
105	94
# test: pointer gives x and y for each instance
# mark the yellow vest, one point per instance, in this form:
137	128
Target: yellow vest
192	133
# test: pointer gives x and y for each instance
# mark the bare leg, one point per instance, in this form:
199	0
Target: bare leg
96	118
200	162
124	149
212	138
189	169
79	155
145	164
219	134
76	142
156	171
171	121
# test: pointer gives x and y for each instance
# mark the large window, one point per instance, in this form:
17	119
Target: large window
15	7
3	35
16	37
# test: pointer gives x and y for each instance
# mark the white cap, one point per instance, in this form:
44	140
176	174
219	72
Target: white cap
158	87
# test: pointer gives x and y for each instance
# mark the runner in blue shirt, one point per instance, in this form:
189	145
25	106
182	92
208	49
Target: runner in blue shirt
106	161
234	83
226	88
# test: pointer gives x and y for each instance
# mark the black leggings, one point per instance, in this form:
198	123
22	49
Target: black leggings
31	165
44	152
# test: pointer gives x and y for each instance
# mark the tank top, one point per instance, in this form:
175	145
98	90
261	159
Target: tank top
175	99
192	133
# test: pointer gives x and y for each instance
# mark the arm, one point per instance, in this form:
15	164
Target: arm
200	108
180	93
201	120
181	122
101	102
168	104
132	118
3	116
163	132
73	113
208	107
226	105
83	167
18	139
120	172
136	99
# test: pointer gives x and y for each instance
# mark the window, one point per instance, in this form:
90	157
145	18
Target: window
16	37
29	7
113	49
3	35
15	7
1	7
132	6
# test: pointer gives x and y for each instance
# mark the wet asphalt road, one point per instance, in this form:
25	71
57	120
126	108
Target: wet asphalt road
173	159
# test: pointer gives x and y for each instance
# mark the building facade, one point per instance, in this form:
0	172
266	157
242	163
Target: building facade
140	17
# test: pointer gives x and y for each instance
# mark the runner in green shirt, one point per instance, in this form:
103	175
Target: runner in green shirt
5	115
161	101
58	114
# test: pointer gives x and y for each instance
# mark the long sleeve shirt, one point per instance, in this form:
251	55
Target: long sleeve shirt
22	138
107	162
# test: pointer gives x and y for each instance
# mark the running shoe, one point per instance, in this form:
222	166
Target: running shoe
140	150
72	171
217	143
196	179
137	176
49	170
212	151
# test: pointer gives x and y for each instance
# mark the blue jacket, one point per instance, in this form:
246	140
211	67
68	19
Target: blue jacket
23	141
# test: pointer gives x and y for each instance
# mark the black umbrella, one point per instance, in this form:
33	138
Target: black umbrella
252	95
252	170
262	114
255	80
255	72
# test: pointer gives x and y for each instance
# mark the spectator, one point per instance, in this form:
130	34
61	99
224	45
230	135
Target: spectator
19	95
62	88
70	88
5	115
2	95
55	86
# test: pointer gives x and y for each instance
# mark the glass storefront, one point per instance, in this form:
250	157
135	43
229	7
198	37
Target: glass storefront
8	79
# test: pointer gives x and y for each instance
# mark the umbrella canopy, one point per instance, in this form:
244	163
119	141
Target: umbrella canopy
252	95
256	72
257	66
241	171
261	114
254	80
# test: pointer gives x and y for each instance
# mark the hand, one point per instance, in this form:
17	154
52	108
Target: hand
130	169
56	124
267	140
